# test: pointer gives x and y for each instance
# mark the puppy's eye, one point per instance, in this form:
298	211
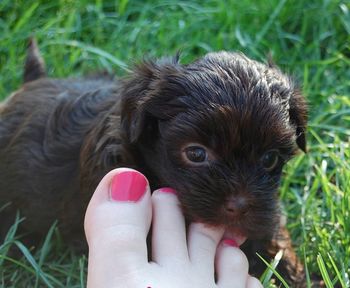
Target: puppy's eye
196	154
270	160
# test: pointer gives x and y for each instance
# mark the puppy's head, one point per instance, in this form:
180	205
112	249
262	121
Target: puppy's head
219	131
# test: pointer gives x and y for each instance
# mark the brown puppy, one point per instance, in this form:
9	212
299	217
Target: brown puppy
218	130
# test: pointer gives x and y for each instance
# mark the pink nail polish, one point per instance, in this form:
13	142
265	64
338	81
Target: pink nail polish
230	242
167	190
128	186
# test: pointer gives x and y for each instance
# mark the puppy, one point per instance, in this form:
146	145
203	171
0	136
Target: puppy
218	130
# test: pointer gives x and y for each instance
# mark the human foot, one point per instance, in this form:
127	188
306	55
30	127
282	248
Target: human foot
117	222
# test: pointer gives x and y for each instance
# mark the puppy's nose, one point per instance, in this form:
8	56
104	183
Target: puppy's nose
236	206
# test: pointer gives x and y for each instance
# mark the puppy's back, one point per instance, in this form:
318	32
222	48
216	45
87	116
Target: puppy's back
42	127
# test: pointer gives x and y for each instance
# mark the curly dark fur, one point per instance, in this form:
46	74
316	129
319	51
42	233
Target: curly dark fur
59	137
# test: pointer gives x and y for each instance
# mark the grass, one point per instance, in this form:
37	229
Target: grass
309	39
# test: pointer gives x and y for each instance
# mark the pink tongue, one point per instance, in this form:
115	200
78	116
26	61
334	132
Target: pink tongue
236	235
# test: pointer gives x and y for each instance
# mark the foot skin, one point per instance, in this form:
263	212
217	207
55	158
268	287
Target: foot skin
117	222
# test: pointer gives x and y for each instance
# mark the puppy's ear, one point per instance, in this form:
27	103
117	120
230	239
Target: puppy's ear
298	117
149	95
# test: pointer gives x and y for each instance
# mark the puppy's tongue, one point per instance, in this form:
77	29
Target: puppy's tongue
236	235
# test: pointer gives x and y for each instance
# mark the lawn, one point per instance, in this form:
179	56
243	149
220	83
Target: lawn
310	39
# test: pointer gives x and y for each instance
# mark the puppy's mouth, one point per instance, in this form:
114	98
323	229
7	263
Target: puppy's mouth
235	234
233	219
241	218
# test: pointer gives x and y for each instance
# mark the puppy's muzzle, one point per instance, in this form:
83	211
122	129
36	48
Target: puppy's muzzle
236	207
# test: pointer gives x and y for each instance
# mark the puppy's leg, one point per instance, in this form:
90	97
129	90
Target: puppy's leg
290	266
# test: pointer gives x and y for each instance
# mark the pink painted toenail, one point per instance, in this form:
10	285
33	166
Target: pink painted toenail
128	186
167	190
230	242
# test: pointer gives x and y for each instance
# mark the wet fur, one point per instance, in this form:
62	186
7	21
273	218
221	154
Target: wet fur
58	137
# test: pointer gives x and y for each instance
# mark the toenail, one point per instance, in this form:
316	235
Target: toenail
128	186
230	242
167	190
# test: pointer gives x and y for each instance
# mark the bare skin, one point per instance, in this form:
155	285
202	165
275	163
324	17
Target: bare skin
117	222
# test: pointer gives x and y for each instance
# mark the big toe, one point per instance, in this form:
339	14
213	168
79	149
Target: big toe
116	225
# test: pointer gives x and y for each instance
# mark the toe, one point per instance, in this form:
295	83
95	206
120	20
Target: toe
254	283
169	245
231	266
117	221
202	243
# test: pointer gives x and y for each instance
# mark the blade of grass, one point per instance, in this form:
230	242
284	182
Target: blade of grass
273	269
45	249
307	273
342	283
34	264
91	49
10	237
82	265
266	27
25	17
266	276
324	272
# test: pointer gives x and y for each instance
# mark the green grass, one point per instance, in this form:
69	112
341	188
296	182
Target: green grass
309	39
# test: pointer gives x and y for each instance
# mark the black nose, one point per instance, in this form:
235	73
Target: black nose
236	206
